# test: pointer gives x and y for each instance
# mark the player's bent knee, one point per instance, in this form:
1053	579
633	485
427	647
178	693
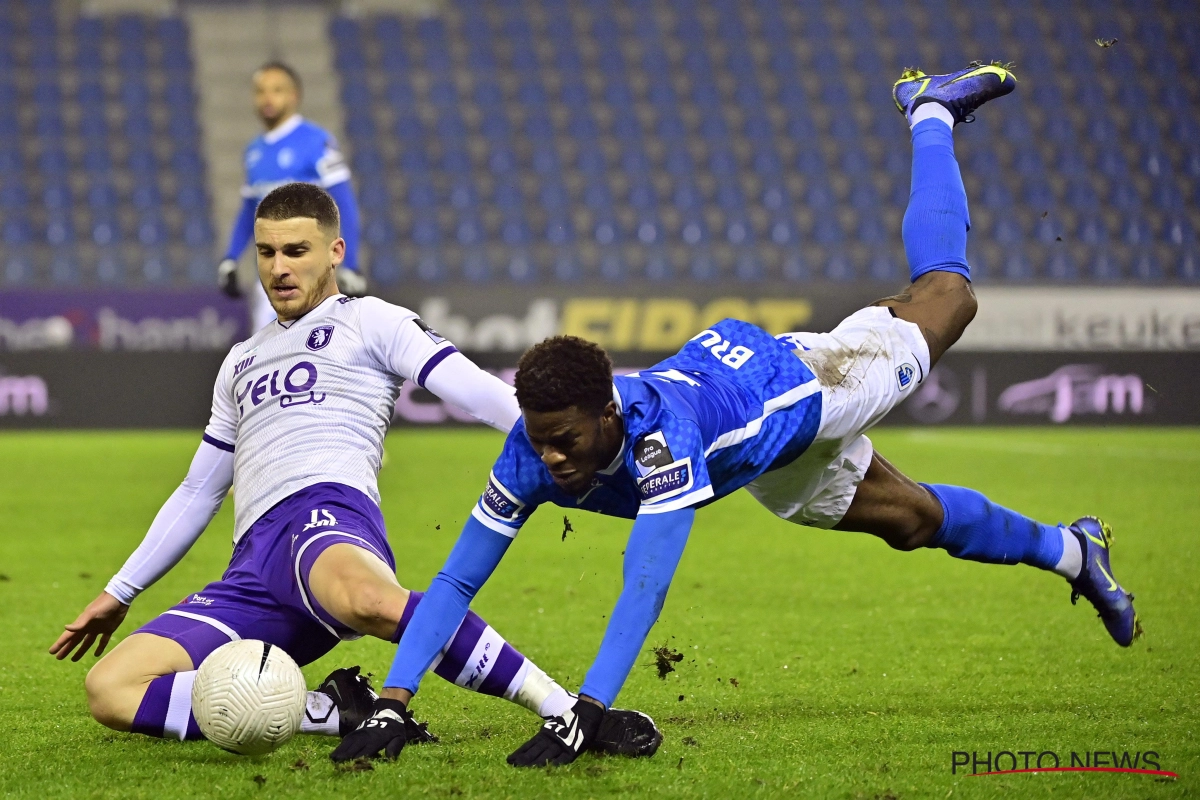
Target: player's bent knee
108	696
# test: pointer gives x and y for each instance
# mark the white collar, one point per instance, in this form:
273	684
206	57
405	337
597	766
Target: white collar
283	129
311	313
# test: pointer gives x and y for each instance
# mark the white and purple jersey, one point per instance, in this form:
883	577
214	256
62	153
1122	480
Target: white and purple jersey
310	401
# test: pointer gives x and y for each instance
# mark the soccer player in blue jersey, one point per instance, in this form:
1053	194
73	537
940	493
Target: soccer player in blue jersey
292	149
782	416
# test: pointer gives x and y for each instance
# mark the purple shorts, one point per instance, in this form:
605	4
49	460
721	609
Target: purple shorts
264	593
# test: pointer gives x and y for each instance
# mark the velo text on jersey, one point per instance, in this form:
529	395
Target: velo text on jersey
312	401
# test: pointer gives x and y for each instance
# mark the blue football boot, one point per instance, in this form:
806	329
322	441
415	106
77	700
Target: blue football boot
1097	584
960	92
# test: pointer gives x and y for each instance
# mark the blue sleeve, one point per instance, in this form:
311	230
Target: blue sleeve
343	194
655	547
471	562
669	466
243	228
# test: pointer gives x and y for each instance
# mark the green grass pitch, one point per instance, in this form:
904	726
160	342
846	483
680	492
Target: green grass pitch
859	670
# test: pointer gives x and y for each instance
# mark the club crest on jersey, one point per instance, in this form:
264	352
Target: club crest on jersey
498	503
319	337
651	452
668	481
904	375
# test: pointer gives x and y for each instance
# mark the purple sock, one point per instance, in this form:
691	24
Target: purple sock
477	658
166	709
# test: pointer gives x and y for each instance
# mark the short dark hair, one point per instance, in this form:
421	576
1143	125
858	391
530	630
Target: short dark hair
564	371
286	69
301	200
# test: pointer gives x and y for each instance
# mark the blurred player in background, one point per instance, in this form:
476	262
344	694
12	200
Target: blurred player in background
785	417
292	149
299	414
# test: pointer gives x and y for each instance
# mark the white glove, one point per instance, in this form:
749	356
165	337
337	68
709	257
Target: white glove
351	283
227	278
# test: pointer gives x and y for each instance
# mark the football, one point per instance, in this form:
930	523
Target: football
248	697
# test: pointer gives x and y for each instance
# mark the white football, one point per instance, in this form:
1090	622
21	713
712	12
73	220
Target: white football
248	697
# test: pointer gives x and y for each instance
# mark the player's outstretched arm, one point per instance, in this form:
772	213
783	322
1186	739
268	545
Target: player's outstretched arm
458	381
475	556
175	529
655	546
405	346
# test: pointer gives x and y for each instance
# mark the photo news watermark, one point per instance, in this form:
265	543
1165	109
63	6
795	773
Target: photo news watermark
1009	762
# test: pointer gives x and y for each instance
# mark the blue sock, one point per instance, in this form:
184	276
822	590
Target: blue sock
936	221
977	529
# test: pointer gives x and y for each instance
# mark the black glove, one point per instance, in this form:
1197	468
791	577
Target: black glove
227	278
561	739
384	730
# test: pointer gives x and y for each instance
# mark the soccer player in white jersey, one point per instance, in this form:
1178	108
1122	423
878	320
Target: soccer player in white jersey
299	414
291	149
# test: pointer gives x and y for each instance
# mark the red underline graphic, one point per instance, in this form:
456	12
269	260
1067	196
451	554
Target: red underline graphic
1080	769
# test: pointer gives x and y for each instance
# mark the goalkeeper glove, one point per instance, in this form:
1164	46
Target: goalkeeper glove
385	730
561	739
351	283
227	278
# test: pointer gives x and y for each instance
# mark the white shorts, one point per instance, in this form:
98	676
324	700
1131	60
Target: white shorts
866	366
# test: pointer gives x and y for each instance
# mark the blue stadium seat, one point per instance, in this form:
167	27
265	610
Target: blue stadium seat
1081	195
198	232
1146	267
1105	267
1178	231
1092	230
425	231
642	195
191	197
378	230
469	230
559	229
1062	266
463	194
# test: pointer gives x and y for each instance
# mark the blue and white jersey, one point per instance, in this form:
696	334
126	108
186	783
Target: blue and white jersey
731	405
297	150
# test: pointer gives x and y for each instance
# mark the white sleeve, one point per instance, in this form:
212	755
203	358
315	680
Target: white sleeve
221	430
178	523
485	397
405	346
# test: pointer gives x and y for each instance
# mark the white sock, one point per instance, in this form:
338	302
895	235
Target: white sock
320	715
1071	563
540	694
932	111
179	708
